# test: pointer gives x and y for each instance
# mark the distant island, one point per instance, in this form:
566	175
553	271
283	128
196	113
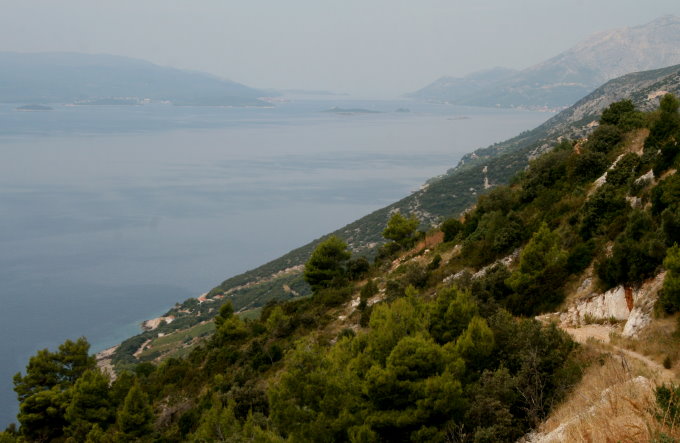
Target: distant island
110	101
313	92
34	108
100	79
350	111
403	110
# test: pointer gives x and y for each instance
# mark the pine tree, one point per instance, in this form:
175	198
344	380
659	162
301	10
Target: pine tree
135	416
45	391
401	230
90	405
326	266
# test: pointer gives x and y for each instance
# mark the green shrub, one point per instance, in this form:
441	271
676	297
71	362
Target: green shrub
667	362
387	251
580	256
670	223
666	194
451	227
624	171
668	402
434	264
413	274
333	296
670	293
605	138
544	172
623	114
601	209
357	268
587	166
537	283
631	262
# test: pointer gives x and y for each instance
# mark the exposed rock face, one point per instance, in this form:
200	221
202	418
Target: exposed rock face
648	177
641	315
609	305
150	325
506	261
633	305
634	202
105	362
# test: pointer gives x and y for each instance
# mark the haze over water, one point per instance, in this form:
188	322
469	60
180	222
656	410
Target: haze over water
110	215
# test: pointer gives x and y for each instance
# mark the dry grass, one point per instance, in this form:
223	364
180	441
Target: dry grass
609	404
635	141
432	239
613	402
658	342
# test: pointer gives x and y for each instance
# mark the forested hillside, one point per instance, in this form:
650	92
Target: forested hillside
442	197
433	340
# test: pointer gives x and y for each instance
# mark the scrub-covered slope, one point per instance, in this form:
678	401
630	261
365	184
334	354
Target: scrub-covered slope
434	340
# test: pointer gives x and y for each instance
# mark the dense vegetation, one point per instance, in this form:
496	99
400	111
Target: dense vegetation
442	197
419	345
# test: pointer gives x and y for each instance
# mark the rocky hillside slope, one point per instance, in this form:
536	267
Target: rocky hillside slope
454	192
565	78
442	197
459	335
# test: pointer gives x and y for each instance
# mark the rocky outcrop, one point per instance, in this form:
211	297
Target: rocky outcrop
507	261
608	305
634	305
641	315
150	325
105	361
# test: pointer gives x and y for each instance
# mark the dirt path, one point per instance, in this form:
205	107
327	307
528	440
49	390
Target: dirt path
582	334
139	351
601	333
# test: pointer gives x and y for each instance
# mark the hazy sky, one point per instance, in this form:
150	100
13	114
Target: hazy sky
366	47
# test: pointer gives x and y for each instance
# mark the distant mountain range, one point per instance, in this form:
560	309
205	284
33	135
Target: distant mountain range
564	79
101	79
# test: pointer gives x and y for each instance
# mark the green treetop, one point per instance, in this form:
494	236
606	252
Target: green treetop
401	230
326	266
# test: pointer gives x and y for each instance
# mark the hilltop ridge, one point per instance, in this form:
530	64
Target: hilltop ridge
562	80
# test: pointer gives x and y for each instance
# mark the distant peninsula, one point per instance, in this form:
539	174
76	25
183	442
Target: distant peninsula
313	92
99	79
109	101
34	108
350	111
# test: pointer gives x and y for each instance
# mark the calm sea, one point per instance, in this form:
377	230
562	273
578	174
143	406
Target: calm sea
110	215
